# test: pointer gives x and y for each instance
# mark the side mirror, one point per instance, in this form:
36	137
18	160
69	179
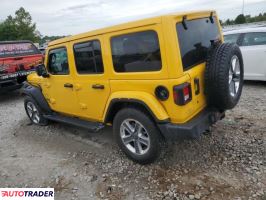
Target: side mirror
41	71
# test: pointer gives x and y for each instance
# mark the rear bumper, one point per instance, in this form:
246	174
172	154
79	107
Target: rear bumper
193	128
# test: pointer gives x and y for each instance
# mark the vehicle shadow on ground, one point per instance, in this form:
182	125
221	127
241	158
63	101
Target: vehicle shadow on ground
10	96
101	138
189	152
104	136
255	83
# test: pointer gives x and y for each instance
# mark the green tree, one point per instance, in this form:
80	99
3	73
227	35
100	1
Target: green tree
19	27
240	19
228	22
49	38
8	29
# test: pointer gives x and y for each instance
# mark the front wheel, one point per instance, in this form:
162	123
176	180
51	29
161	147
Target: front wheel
34	112
137	135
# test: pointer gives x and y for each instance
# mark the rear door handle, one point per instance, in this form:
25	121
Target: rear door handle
98	87
68	85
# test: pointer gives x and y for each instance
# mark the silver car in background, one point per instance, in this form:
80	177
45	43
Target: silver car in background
252	42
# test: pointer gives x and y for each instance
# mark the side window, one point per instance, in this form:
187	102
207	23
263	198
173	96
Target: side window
251	39
136	52
232	38
58	62
88	57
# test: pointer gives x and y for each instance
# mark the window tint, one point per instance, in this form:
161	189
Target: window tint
136	52
88	57
232	38
58	62
251	39
196	39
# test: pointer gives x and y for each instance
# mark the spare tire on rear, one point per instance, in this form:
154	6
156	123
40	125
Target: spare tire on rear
224	76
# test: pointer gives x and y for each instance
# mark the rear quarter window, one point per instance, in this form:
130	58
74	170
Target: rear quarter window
136	52
17	49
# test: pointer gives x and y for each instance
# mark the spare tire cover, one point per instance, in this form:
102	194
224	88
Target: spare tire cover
224	76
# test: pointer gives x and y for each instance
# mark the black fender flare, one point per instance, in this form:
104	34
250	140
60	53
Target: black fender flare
111	111
36	94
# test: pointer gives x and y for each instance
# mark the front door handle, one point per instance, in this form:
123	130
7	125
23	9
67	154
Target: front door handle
68	85
98	87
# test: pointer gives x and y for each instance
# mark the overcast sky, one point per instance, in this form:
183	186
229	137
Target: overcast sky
65	17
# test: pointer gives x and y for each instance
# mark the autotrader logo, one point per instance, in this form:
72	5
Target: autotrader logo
26	193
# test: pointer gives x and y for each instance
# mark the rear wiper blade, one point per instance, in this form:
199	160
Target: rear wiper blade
215	41
184	22
211	18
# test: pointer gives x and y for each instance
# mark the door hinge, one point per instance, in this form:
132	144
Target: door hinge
77	87
51	100
47	85
83	106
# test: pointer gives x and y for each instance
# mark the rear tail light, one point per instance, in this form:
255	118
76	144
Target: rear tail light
182	94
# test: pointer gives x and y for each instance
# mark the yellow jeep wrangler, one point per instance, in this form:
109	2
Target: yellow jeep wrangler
161	78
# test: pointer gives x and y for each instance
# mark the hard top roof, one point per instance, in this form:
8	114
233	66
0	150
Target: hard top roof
132	24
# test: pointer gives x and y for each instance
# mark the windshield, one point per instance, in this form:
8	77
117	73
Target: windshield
196	39
17	49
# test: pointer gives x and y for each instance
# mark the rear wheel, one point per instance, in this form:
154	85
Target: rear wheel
34	112
137	135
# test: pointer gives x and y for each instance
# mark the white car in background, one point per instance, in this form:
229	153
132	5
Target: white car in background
252	42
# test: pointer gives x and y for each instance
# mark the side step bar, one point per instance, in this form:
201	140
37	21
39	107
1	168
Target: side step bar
92	126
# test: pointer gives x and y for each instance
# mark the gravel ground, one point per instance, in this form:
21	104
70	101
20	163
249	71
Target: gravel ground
227	163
